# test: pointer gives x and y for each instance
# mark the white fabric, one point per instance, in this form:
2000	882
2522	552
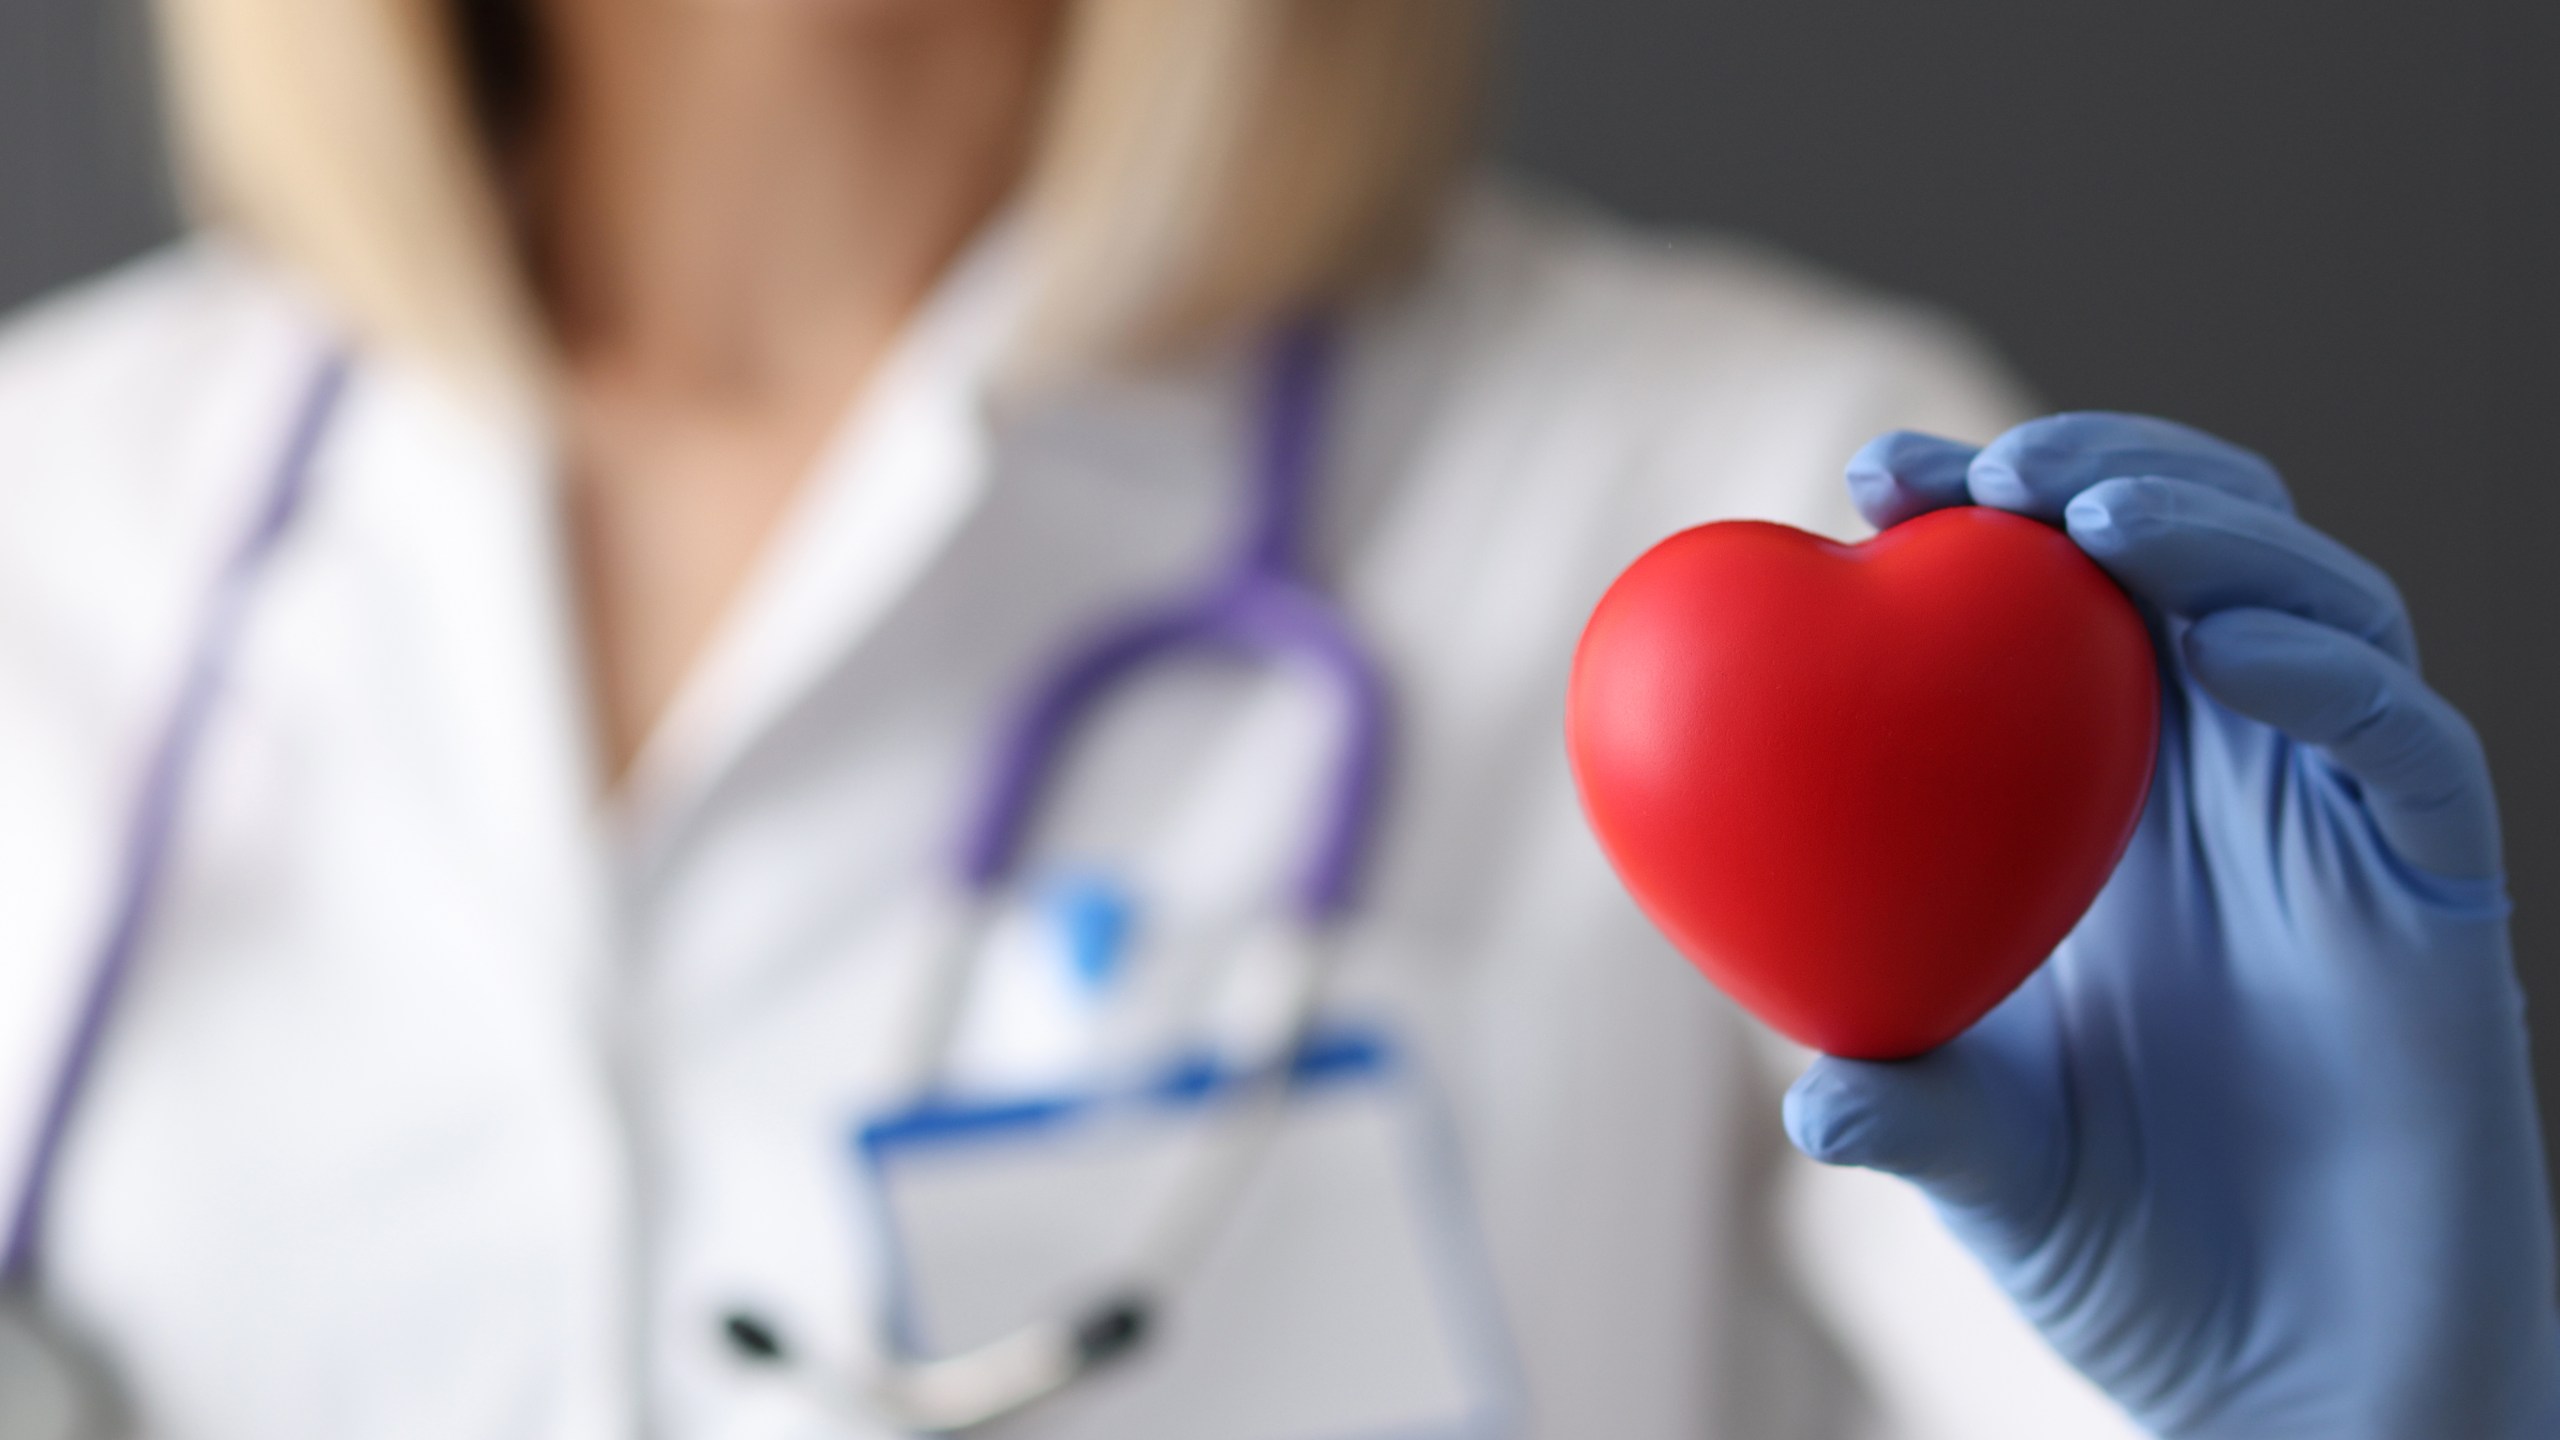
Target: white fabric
455	1101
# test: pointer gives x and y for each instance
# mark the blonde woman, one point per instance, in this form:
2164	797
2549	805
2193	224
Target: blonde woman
500	635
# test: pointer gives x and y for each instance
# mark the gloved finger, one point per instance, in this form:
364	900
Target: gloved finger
2191	550
2038	467
2416	761
1905	473
1976	1124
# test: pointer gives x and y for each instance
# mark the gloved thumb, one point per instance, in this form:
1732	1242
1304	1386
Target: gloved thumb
1976	1124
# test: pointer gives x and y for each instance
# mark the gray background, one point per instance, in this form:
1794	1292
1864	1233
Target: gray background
2328	230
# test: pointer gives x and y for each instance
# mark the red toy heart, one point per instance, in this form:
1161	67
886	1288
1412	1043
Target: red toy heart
1865	788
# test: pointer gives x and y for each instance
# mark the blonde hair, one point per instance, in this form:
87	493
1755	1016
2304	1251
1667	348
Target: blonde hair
1208	163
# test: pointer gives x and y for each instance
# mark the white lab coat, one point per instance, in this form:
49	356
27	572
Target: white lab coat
455	1096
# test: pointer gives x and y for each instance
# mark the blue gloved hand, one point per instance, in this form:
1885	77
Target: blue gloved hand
2256	1150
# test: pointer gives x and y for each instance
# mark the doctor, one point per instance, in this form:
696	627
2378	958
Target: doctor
602	469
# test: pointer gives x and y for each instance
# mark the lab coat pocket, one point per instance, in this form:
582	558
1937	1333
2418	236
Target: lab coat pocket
1344	1296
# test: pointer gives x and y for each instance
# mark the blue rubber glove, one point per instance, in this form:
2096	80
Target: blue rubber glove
2256	1150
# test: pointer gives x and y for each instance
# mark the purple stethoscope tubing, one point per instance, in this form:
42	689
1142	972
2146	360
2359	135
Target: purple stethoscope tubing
1262	605
152	824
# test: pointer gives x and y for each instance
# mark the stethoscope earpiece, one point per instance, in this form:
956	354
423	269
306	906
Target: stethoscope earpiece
751	1339
1114	1329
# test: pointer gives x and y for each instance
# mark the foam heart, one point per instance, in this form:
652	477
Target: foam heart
1865	788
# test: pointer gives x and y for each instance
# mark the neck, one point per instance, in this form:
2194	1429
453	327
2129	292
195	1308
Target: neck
742	201
732	206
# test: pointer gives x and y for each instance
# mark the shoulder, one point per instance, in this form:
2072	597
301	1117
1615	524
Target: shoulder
125	402
121	362
1696	307
1729	378
126	405
98	334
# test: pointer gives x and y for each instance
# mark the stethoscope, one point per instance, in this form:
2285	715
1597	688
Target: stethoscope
1260	604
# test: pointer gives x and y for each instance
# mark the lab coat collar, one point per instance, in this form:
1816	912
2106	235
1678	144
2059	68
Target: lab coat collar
907	465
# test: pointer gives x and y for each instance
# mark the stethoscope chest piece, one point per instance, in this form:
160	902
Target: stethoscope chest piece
51	1387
